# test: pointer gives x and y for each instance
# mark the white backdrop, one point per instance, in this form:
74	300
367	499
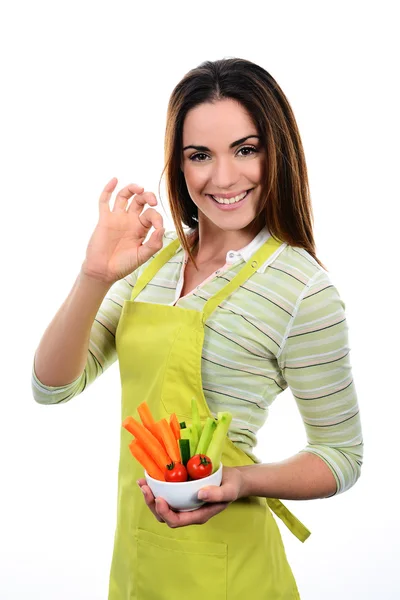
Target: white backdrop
85	87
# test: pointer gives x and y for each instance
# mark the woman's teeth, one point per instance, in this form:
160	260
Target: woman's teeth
230	200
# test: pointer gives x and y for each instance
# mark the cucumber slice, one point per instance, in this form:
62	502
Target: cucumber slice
214	451
184	447
187	434
206	436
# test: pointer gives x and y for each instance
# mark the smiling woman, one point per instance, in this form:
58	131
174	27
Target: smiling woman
230	311
252	144
227	177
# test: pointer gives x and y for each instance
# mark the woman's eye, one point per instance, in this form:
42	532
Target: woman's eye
198	157
251	150
246	151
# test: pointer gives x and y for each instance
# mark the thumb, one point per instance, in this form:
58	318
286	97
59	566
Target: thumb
152	245
211	493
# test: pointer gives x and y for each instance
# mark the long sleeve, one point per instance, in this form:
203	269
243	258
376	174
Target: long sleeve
101	353
315	364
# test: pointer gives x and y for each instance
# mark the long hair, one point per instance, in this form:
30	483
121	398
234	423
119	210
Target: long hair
285	204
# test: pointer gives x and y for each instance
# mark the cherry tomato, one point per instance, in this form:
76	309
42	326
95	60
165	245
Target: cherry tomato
199	466
175	472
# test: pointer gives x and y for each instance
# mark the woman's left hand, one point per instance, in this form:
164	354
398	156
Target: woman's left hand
218	498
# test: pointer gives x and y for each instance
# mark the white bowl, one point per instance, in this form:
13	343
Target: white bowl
182	496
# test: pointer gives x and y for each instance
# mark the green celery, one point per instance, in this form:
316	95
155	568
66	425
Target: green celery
214	451
206	435
196	419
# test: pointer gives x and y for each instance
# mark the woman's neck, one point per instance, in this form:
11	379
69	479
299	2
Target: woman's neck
213	246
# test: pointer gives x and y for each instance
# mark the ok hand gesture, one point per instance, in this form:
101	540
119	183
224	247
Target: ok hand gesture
117	246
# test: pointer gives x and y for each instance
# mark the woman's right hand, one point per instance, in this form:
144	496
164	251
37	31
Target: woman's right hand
117	246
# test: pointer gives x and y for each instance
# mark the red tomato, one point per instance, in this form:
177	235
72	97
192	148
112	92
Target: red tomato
175	472
199	466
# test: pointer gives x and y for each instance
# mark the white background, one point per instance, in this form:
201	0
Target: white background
85	87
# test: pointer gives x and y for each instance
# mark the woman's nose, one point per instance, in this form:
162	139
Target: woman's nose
225	173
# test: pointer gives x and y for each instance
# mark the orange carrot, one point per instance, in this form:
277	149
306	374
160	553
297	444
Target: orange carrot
148	441
170	442
174	424
145	415
156	431
145	460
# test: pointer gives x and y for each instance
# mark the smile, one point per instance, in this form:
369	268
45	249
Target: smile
233	200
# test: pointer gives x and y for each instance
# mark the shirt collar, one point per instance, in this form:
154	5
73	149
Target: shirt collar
245	253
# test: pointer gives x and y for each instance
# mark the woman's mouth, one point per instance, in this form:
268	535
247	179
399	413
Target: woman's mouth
229	204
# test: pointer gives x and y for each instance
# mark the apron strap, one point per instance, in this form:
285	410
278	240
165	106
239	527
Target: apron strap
291	522
155	265
258	258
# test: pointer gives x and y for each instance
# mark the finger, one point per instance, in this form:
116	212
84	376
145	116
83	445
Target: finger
139	201
154	243
125	194
150	501
151	246
105	195
182	519
151	218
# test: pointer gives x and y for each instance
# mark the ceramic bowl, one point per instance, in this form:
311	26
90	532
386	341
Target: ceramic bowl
183	496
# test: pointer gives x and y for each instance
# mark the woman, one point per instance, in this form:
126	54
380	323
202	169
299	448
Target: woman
232	310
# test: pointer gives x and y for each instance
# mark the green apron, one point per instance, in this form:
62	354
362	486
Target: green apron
237	554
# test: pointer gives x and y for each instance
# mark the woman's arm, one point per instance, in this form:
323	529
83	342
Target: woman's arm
302	477
62	353
116	249
101	350
314	361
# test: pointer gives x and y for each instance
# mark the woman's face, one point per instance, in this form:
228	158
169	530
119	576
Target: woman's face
222	164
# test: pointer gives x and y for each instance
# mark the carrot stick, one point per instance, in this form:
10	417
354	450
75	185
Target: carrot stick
148	441
156	431
145	415
170	442
145	460
174	424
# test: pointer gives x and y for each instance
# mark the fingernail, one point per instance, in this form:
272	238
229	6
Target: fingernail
202	495
143	491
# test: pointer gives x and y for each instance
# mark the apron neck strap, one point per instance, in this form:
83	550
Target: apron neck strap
258	259
152	269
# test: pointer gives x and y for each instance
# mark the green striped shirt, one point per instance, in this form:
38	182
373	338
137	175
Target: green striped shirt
285	326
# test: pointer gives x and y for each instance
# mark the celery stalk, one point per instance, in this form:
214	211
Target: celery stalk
206	435
196	417
214	451
194	439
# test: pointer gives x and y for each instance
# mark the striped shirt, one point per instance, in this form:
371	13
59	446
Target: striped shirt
284	327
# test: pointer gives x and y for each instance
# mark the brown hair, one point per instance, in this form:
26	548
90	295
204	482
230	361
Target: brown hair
285	204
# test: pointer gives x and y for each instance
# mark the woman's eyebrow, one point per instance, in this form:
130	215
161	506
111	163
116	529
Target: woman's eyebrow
237	143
